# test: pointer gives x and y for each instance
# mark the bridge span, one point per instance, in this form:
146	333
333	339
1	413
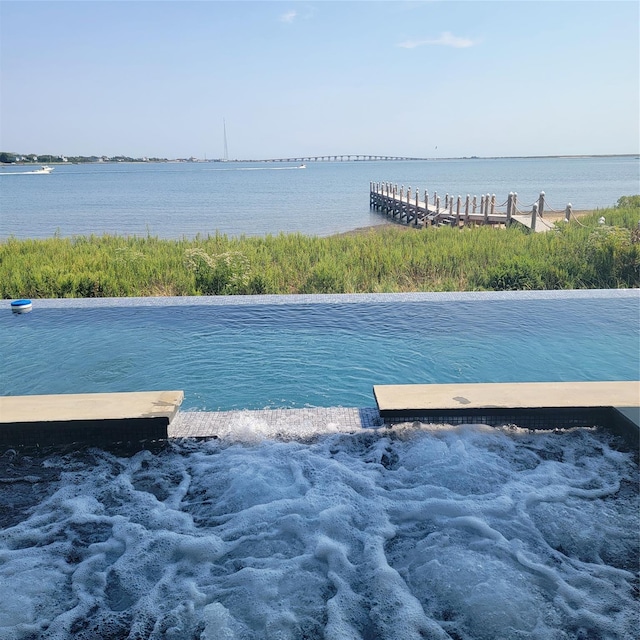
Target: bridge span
347	157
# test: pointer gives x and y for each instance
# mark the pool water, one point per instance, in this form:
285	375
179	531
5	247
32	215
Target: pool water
419	531
316	351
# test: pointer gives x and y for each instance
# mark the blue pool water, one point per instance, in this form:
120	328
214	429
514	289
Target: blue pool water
405	533
316	351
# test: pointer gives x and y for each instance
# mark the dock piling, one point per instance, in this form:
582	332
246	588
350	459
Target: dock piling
405	204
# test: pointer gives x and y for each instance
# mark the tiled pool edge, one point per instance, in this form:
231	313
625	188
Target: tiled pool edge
297	423
274	422
342	298
154	416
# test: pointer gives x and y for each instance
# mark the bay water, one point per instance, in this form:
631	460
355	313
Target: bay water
175	200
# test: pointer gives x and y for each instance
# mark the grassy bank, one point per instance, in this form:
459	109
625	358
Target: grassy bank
579	255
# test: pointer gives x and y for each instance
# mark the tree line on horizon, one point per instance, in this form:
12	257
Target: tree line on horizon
7	157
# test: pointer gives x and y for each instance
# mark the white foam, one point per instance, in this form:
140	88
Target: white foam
407	533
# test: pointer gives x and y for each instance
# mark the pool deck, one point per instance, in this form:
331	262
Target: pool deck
533	405
87	417
142	416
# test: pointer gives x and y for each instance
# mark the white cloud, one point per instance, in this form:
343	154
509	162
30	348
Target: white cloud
446	39
289	16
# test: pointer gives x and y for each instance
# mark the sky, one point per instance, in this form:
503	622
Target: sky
288	79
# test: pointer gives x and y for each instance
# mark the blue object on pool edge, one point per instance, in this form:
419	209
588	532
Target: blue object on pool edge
21	306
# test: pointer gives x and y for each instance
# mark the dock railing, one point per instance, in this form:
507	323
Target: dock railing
413	208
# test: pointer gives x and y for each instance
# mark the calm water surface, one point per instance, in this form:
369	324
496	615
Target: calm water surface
172	200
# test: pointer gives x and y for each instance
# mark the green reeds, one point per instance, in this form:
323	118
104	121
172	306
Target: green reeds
581	254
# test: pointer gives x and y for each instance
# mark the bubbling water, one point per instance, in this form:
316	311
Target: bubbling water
411	532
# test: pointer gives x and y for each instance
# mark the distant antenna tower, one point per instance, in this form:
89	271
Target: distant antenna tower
226	150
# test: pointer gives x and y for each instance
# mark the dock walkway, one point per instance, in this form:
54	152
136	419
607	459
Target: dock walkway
412	208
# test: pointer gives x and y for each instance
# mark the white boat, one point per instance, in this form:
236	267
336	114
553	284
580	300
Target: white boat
44	169
302	166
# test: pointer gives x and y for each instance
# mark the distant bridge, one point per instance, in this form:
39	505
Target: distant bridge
347	157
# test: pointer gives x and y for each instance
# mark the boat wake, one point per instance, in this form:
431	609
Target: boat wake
42	171
302	166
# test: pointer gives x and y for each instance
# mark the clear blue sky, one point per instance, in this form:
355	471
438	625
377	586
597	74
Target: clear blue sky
426	79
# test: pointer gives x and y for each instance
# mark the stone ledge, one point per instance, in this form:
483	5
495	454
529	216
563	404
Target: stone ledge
93	418
533	405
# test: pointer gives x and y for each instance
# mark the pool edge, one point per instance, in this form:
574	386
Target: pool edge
151	416
93	418
614	405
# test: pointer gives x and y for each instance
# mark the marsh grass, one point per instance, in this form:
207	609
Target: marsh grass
391	258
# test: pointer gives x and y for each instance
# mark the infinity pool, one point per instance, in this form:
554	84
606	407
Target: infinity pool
408	533
316	351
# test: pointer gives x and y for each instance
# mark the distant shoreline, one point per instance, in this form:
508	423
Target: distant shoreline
596	155
309	158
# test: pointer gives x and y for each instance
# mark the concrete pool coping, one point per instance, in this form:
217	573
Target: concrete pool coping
532	405
87	417
395	399
142	416
329	298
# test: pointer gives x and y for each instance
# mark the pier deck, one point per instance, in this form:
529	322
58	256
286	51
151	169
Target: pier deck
412	209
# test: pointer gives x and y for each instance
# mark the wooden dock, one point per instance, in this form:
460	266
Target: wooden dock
412	208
